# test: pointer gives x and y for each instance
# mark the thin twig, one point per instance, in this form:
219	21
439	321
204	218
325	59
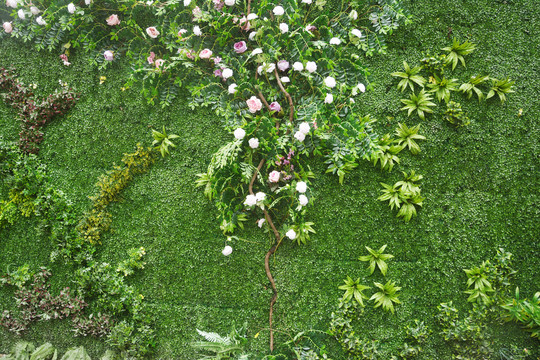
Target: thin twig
291	105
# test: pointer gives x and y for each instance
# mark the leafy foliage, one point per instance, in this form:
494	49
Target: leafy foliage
385	151
410	77
164	141
407	136
442	87
526	312
232	346
420	103
404	195
377	258
477	276
353	290
27	351
457	52
501	88
472	86
455	115
386	296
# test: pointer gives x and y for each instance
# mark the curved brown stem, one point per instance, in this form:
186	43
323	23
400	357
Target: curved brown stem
261	96
268	254
287	95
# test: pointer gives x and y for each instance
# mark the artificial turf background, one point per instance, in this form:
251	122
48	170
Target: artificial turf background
481	183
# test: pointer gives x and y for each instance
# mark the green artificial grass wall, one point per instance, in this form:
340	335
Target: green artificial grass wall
480	182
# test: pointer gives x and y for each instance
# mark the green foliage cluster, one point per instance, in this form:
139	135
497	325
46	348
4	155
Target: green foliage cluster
417	335
443	86
524	311
27	351
217	347
34	112
403	195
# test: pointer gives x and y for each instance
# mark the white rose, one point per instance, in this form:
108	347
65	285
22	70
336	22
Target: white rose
335	41
285	79
284	28
330	82
278	11
227	250
351	100
88	2
260	196
250	200
187	2
261	222
356	33
303	200
298	66
227	73
361	87
230	2
40	21
270	67
300	136
232	88
304	128
252	16
34	10
239	133
256	51
260	69
21	15
311	66
197	30
253	143
353	15
71	8
329	99
307	1
12	3
291	234
301	187
252	35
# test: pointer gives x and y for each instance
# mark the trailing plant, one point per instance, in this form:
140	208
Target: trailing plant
386	296
501	88
353	290
455	115
409	77
420	103
34	112
407	136
385	151
377	258
472	86
27	351
232	346
404	195
416	336
442	87
457	52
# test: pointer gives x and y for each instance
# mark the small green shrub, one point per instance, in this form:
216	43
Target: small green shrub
455	115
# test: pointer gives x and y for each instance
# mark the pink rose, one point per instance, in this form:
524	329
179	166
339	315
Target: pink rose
197	13
113	20
240	47
218	4
274	176
108	55
205	54
159	62
181	32
151	58
283	65
275	106
217	60
8	28
65	59
254	104
152	32
218	73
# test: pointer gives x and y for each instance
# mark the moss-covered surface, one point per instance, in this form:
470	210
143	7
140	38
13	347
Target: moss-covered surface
481	183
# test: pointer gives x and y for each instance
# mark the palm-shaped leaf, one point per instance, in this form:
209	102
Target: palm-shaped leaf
421	103
353	290
457	51
377	258
442	88
472	87
407	136
387	296
501	88
409	77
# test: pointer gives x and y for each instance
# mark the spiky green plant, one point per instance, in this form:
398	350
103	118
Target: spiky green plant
353	290
392	194
386	152
387	296
442	87
472	86
407	136
501	88
408	207
421	103
377	258
457	52
409	77
163	141
477	277
405	195
408	182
